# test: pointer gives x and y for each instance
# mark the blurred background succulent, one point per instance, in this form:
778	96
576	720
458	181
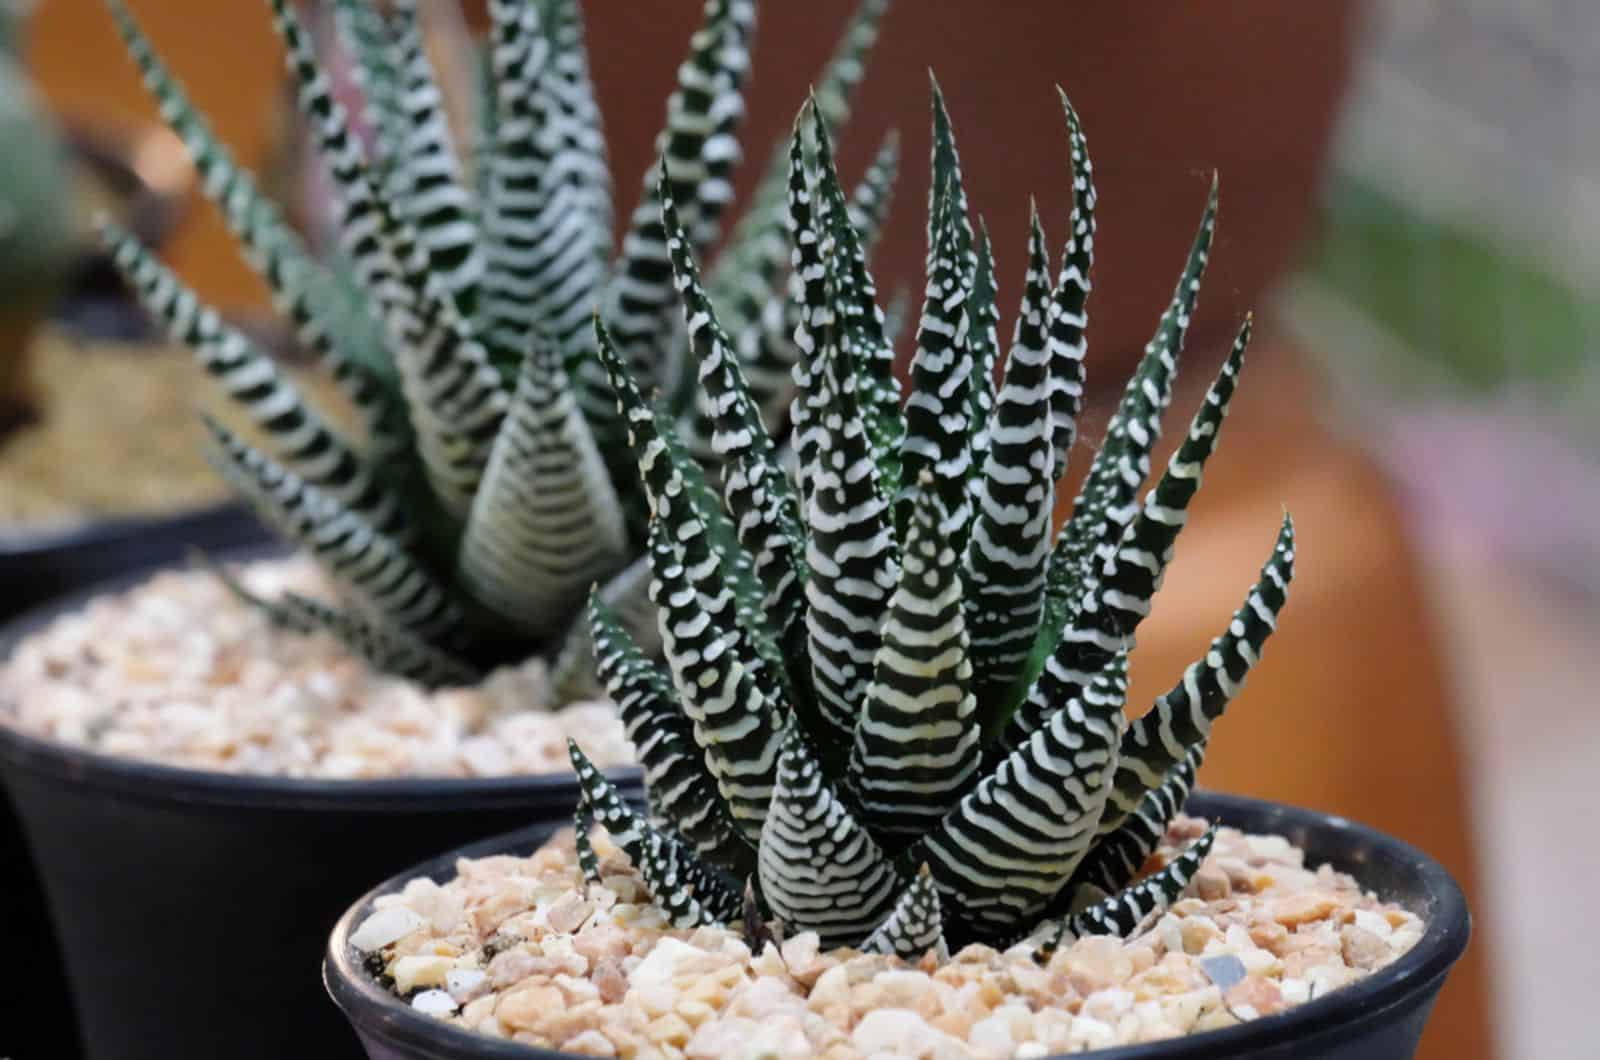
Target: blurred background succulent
493	486
893	699
36	231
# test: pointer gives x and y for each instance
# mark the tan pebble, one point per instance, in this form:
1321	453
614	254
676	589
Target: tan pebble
1261	995
601	940
609	980
529	1007
695	1013
1363	949
1196	932
831	987
1304	908
670	1029
411	973
955	1024
1211	883
589	1043
567	912
1270	936
1240	876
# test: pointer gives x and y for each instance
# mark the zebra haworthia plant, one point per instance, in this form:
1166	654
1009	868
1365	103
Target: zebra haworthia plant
494	485
892	705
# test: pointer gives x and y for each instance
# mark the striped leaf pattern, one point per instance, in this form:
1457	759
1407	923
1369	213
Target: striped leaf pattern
458	314
1013	842
915	925
546	523
1182	718
1015	496
984	317
916	740
965	771
1119	595
374	568
938	412
1068	314
690	893
428	171
682	789
756	491
302	441
819	867
1121	850
1120	913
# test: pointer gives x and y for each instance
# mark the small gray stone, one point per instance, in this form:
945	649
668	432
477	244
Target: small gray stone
1225	970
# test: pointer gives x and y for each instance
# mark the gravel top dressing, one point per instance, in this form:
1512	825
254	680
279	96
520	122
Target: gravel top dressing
179	671
521	948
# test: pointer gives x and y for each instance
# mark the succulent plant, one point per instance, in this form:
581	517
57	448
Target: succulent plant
892	710
494	485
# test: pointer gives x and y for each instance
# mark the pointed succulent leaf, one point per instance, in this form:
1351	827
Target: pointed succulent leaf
938	412
426	165
681	788
814	315
328	318
984	316
914	927
1069	308
304	443
546	238
369	37
455	396
1119	593
576	115
699	147
1107	499
916	740
850	550
1015	499
820	869
387	648
738	724
859	321
946	180
691	893
1158	740
1124	911
764	333
756	491
545	522
1120	851
1012	842
872	197
383	578
750	269
1106	502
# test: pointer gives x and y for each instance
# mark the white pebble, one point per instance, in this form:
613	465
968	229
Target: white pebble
385	926
434	1003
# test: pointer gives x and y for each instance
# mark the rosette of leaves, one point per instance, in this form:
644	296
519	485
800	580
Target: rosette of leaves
493	485
892	706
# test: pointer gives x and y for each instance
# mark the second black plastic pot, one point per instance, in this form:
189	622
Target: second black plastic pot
1378	1018
192	908
44	563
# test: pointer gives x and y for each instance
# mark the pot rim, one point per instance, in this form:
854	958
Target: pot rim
46	536
1341	1012
155	782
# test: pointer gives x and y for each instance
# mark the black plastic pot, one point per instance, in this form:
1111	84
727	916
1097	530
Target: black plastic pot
192	907
61	564
46	564
1379	1018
